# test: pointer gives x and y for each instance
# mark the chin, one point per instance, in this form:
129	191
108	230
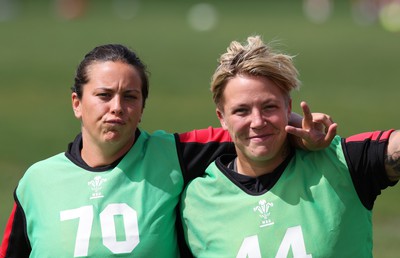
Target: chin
112	137
263	157
264	153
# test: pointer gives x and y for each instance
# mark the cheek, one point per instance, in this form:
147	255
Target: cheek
279	119
237	126
135	111
93	112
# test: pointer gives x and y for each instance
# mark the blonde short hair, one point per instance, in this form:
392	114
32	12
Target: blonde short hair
254	59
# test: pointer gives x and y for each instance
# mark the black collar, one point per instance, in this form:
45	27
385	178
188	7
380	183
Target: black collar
73	153
252	185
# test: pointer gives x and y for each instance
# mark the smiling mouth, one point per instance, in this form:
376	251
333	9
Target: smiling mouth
260	138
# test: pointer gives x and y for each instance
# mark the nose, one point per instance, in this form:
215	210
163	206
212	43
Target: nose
257	120
116	105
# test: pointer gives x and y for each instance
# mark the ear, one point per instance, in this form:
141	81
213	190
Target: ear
76	105
221	118
141	115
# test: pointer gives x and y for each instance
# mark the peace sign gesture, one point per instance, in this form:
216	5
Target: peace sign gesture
317	132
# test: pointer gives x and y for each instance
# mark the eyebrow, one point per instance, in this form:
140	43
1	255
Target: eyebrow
105	88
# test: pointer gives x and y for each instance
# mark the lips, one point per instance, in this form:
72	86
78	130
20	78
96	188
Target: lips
260	138
115	122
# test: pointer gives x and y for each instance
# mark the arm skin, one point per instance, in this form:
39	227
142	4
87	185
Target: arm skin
392	157
317	132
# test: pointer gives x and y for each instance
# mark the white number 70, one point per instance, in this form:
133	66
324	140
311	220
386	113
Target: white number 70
107	224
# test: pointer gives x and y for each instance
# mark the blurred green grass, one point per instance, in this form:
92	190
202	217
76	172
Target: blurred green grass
348	71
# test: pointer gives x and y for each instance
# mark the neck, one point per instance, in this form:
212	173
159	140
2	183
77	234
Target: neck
96	155
255	168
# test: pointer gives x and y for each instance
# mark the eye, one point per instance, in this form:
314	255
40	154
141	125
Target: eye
104	95
130	96
270	107
240	111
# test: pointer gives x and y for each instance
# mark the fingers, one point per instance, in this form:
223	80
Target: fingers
306	109
311	119
322	118
307	116
331	133
297	131
318	129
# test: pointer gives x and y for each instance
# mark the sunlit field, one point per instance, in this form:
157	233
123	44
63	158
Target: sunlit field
348	63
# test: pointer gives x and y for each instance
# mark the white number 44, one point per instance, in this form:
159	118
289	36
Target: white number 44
293	239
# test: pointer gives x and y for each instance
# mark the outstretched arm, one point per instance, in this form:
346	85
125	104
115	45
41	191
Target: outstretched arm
317	132
392	157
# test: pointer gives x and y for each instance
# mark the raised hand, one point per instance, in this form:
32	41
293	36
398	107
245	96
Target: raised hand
317	132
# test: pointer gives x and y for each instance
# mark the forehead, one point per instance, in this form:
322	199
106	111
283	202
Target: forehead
110	67
244	88
111	73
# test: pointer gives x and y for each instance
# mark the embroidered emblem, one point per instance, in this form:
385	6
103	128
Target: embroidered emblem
264	213
96	186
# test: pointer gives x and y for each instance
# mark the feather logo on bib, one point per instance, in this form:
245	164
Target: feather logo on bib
264	213
96	185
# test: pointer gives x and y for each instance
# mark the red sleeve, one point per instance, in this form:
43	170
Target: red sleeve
382	136
7	233
365	156
198	148
15	241
205	136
